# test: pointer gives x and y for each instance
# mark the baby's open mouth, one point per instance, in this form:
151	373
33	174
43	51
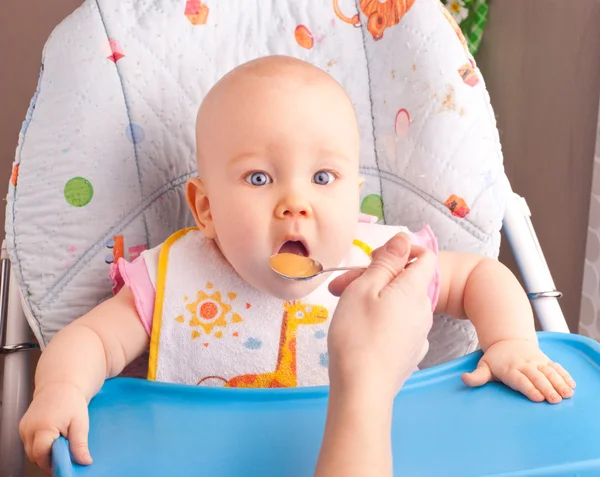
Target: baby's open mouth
294	246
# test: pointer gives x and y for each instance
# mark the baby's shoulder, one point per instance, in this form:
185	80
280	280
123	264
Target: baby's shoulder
151	256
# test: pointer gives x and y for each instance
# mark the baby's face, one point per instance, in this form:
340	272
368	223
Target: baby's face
279	165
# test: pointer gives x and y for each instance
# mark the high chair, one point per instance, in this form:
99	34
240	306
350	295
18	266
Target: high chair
108	145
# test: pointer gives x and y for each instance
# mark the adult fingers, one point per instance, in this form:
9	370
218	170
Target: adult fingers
339	284
386	264
419	273
424	350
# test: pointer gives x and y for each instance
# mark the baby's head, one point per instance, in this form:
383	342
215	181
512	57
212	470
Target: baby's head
278	154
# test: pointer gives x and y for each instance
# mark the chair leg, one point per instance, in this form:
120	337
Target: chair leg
532	265
16	386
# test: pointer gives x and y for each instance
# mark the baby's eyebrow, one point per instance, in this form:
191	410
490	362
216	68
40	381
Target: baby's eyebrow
244	158
333	156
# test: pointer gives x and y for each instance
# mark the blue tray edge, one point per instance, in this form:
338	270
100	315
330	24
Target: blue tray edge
62	464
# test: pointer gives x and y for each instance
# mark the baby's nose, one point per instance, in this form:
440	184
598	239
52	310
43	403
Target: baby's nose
293	207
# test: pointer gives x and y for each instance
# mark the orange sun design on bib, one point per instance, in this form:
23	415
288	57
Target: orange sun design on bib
209	314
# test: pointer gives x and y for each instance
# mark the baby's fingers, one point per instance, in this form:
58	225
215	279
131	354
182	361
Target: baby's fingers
41	447
542	384
27	438
479	377
521	383
557	381
78	440
564	374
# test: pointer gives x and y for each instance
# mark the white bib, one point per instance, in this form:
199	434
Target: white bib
212	328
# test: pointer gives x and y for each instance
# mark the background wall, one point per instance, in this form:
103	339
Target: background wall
589	316
541	62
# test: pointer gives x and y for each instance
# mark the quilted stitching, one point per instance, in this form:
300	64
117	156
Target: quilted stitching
87	104
128	111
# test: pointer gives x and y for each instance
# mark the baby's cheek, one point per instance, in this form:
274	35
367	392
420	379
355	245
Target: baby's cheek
236	241
341	234
240	226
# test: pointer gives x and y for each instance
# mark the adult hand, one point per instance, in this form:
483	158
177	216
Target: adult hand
377	337
378	334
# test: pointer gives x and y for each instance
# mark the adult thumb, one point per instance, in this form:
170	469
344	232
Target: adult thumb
387	262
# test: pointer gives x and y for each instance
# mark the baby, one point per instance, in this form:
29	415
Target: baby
278	163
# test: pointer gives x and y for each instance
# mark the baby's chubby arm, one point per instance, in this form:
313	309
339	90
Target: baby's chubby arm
73	368
486	292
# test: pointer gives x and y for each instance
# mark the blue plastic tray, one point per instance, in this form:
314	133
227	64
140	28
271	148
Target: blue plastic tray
441	428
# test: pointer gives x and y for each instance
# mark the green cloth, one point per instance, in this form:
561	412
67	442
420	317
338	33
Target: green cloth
471	16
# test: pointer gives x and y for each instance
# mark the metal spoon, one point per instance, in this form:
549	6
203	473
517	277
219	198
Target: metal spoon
298	267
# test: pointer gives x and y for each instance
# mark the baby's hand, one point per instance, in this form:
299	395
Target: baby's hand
58	409
521	365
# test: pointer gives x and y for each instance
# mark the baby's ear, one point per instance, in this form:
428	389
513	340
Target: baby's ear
361	182
199	204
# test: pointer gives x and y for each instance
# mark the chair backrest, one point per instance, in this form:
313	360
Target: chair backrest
108	142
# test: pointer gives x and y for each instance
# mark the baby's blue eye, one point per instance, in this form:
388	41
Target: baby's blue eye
258	178
323	178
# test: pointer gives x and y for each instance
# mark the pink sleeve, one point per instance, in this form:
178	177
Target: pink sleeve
367	219
426	238
135	276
